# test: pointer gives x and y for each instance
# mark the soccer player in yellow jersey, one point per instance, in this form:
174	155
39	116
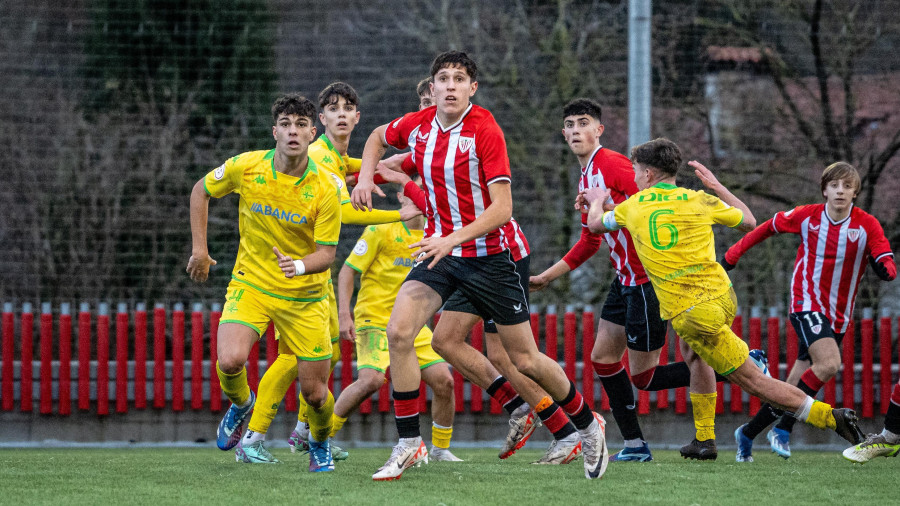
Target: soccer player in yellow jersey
672	232
286	204
338	104
381	257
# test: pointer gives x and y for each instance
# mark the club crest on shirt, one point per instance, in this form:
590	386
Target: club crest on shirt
853	234
219	173
361	247
465	143
337	181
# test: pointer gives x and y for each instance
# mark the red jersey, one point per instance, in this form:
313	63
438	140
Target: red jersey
612	170
831	259
457	163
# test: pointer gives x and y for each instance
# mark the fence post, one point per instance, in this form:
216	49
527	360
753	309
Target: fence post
122	358
755	343
178	357
847	375
550	332
26	385
570	329
197	356
680	392
737	395
7	356
773	348
884	357
587	346
46	369
867	331
140	356
215	390
84	356
476	402
159	356
65	359
103	358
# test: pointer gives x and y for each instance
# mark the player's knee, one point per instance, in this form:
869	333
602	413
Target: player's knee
231	362
401	333
442	386
827	369
525	364
371	383
315	395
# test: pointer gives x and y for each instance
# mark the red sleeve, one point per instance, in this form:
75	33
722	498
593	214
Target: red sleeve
754	237
877	244
398	131
408	166
417	195
491	148
585	248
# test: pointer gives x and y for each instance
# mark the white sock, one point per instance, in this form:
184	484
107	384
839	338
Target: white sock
251	437
521	411
634	443
302	427
410	441
890	437
802	414
247	403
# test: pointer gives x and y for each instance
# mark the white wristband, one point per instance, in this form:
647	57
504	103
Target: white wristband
301	269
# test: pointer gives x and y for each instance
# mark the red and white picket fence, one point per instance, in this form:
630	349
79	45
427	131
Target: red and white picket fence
108	362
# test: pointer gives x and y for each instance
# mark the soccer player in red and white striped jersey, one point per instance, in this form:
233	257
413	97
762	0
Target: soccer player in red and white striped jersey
460	152
837	240
630	316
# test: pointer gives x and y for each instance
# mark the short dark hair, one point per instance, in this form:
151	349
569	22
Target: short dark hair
424	86
455	59
841	170
583	106
336	90
661	154
293	103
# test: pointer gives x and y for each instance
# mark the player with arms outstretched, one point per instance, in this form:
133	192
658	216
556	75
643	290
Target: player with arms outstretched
290	207
838	239
672	232
461	153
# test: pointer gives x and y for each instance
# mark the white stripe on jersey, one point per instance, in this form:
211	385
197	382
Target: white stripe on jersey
838	268
821	243
450	183
478	201
860	254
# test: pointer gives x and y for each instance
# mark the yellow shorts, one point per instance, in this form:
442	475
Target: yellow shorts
334	327
706	328
372	349
302	326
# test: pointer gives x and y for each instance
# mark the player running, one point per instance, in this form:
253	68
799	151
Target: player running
286	204
630	316
338	103
837	238
672	232
460	151
381	257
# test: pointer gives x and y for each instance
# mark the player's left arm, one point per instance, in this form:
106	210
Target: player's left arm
496	215
710	181
881	258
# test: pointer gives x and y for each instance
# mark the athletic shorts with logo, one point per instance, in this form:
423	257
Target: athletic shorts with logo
810	326
706	328
490	283
637	309
302	325
458	302
372	349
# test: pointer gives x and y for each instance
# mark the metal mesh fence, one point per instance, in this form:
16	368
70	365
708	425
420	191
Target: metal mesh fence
111	110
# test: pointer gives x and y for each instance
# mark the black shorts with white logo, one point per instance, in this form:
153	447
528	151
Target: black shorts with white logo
811	326
459	302
637	309
491	284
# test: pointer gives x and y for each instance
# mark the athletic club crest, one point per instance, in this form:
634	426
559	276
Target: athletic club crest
853	234
465	143
816	329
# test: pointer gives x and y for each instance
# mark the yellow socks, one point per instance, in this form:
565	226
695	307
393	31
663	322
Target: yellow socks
234	386
337	423
302	407
272	387
440	435
320	419
704	407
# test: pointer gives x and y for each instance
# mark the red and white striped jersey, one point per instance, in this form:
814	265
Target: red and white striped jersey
515	240
612	170
457	164
831	259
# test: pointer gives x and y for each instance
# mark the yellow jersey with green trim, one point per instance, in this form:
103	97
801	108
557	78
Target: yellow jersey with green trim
276	209
672	232
382	256
327	158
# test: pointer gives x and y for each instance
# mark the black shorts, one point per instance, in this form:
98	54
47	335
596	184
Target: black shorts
811	326
459	302
490	283
637	309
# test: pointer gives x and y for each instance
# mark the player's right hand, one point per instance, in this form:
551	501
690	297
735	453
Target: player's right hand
537	283
361	198
198	267
347	327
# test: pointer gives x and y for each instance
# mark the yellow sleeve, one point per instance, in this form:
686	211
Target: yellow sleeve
224	179
351	216
327	228
364	252
722	213
353	164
